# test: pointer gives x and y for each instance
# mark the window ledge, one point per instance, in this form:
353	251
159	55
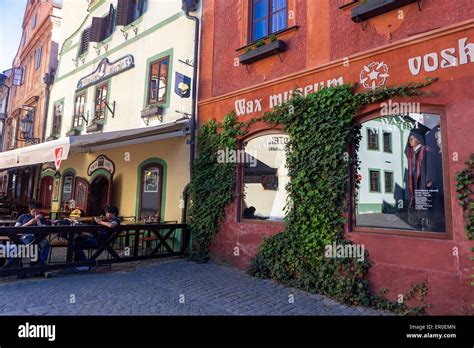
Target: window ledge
267	38
133	24
371	9
262	221
262	52
95	127
74	132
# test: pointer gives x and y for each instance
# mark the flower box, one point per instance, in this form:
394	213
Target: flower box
262	52
374	8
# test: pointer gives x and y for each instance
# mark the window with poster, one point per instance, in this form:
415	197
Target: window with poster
151	188
265	177
411	175
68	186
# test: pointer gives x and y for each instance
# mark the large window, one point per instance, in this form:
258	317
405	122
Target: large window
387	142
33	21
68	187
100	101
413	195
39	52
158	81
79	108
268	17
265	177
372	139
150	192
57	118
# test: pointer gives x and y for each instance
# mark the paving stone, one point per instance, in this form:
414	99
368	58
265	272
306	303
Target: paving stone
154	288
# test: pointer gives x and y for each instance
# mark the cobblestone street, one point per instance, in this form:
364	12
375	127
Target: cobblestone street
160	288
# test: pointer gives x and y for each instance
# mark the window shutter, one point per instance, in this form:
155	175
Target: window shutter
85	40
97	31
123	12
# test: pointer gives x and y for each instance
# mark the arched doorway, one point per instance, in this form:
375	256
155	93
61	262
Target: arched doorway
46	190
99	196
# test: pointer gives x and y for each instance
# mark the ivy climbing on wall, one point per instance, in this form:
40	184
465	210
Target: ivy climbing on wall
213	184
321	130
464	183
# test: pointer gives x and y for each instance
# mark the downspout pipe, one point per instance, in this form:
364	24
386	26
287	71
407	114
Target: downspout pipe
192	149
192	143
4	121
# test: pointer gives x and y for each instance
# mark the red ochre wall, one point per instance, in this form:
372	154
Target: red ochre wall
398	261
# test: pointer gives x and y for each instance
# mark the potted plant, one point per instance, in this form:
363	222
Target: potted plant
263	50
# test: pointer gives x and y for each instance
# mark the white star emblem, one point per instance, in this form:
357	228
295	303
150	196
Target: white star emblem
374	75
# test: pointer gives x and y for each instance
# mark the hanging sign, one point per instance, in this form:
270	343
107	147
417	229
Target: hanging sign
182	86
106	70
58	155
101	162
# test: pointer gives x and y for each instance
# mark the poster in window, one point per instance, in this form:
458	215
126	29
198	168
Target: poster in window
270	182
55	194
151	180
414	200
67	184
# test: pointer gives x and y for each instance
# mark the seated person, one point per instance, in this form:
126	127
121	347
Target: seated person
88	241
249	213
34	218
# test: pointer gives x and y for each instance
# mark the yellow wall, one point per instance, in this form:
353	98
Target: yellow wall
173	151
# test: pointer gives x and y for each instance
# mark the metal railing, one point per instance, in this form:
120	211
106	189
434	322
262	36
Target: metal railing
133	242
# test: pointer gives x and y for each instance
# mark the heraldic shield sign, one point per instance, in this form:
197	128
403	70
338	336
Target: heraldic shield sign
182	85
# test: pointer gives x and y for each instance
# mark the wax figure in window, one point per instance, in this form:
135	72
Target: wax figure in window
434	178
416	153
425	180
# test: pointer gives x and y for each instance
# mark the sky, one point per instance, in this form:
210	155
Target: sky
11	18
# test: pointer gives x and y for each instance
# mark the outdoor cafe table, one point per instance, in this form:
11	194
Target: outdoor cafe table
7	222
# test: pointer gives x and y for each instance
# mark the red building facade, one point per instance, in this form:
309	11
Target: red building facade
322	43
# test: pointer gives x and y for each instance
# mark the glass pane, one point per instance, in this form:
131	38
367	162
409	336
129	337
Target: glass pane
150	201
278	5
67	188
154	83
279	21
260	9
260	29
265	177
412	174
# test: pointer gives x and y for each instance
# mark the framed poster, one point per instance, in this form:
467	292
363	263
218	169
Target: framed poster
151	180
55	195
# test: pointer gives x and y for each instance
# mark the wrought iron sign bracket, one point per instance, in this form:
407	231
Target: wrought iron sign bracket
188	62
86	120
185	114
97	50
111	110
135	29
125	34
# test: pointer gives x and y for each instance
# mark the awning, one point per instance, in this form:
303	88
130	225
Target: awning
34	154
50	151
